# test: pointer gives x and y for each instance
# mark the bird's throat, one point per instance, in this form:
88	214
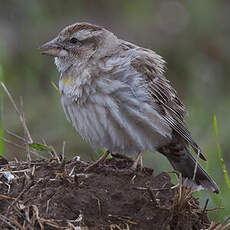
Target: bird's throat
67	80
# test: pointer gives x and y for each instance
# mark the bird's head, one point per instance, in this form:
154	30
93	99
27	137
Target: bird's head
79	42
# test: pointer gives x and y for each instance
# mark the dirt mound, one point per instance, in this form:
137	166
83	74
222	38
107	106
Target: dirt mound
59	195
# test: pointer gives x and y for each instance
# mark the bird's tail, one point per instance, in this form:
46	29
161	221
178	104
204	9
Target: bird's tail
185	163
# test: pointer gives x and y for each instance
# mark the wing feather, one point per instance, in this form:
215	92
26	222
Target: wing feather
171	107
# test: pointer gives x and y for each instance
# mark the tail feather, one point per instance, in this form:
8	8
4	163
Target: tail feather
185	163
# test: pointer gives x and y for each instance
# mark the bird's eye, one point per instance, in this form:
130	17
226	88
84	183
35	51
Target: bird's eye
74	40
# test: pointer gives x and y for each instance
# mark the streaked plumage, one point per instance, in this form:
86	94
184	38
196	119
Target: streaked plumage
116	96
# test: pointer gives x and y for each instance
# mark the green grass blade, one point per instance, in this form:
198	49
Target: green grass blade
220	153
2	133
40	147
55	86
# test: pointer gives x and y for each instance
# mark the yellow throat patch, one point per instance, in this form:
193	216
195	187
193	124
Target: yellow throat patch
67	81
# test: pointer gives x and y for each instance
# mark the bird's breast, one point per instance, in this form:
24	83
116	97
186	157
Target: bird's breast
76	87
111	113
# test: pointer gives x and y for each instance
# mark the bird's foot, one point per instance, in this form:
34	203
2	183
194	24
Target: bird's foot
101	160
136	161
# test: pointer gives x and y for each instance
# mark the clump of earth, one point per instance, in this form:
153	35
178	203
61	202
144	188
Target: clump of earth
55	194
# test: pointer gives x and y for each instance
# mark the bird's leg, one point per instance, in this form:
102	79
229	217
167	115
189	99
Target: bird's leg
136	161
101	160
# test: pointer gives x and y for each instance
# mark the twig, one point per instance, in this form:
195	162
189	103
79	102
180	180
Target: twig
26	130
153	198
15	135
28	138
153	189
12	143
6	197
196	165
5	220
21	147
204	210
16	210
214	209
15	164
99	205
18	197
122	218
55	154
63	150
205	206
18	171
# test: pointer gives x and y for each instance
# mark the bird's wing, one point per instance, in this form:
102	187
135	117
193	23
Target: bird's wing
172	109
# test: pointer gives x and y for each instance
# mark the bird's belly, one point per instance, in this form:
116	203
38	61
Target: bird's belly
120	127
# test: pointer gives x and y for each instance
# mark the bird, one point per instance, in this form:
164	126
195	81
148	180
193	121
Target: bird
116	95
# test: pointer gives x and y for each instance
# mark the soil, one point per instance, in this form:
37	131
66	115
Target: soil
56	194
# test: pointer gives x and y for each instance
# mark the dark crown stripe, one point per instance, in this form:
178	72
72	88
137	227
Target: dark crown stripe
78	27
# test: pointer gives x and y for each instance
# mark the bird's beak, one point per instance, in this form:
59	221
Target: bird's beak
54	48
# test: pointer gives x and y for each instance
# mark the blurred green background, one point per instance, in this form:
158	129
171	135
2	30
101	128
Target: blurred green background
192	36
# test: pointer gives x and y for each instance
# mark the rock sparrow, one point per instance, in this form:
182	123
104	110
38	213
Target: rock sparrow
116	96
